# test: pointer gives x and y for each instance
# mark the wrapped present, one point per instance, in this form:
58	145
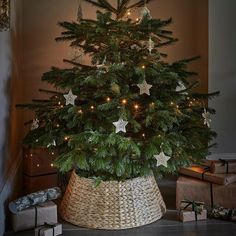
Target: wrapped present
192	211
221	166
192	205
38	161
35	216
36	183
34	199
202	191
186	216
49	230
223	213
204	174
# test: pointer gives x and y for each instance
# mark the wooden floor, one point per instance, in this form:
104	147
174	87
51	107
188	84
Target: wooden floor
168	226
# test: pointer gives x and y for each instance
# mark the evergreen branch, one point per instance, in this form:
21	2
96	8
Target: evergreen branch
78	64
140	3
50	91
206	96
41	100
167	43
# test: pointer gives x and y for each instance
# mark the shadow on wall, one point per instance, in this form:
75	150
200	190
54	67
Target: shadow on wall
5	74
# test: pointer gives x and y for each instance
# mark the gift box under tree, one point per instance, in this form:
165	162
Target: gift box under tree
192	211
39	170
203	191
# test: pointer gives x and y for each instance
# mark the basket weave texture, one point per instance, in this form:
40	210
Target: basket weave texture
112	205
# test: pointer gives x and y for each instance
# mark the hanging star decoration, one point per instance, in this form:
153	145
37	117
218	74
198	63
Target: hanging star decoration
162	159
181	87
145	13
207	118
150	45
70	98
144	88
120	125
35	124
53	143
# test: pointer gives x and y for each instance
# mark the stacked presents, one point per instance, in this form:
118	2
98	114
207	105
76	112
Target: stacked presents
37	211
211	186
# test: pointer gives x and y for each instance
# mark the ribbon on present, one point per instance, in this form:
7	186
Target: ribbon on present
48	226
226	164
35	217
196	206
205	170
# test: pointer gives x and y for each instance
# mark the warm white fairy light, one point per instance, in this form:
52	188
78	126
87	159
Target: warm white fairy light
124	101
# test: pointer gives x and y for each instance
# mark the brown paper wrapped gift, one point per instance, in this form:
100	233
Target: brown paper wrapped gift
49	230
221	166
186	216
200	173
37	183
33	217
210	194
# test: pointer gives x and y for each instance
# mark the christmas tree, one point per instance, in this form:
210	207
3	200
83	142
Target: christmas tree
129	112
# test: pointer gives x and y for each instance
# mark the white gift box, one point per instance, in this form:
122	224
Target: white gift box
49	230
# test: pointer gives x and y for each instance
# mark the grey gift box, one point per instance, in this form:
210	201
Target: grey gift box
35	216
48	231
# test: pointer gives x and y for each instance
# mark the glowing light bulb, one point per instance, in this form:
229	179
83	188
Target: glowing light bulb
171	103
124	101
61	106
92	107
66	138
159	136
143	135
59	103
177	106
129	13
51	165
31	155
80	111
143	66
136	106
52	153
38	165
108	99
58	125
137	19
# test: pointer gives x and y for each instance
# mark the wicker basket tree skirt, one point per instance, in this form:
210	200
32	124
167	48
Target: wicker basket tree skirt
112	205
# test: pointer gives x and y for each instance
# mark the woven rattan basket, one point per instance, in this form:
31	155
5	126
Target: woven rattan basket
112	205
